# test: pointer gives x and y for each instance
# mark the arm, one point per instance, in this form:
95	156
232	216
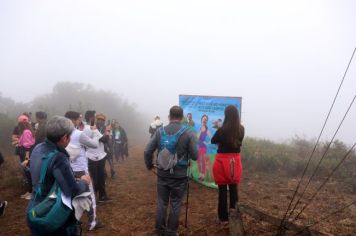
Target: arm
193	144
86	141
242	133
124	136
149	150
216	138
14	139
63	174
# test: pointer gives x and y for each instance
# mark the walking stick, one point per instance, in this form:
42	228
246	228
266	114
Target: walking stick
186	207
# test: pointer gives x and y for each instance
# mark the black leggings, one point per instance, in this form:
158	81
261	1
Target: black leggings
222	205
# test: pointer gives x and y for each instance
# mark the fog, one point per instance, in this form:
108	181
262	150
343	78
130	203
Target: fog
284	58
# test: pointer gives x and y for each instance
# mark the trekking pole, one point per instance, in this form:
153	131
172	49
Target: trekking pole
186	208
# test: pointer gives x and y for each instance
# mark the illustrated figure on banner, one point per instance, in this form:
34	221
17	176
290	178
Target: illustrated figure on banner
188	121
203	160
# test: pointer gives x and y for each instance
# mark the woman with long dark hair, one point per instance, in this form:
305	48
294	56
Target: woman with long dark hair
227	167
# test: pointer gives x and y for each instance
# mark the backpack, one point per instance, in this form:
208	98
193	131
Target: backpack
50	214
167	157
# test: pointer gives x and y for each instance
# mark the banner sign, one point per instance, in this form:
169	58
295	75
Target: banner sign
204	115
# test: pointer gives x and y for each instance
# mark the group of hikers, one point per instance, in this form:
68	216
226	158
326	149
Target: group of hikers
81	149
68	161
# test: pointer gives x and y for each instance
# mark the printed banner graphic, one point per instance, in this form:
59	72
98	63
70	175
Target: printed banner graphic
204	115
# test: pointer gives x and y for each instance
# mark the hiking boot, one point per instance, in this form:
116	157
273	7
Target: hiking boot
3	205
98	225
104	199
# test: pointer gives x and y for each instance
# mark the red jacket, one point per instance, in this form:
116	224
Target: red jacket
227	168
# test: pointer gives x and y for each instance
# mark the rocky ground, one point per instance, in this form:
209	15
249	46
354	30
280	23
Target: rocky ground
132	211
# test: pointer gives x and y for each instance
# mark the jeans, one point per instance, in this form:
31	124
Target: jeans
222	205
171	191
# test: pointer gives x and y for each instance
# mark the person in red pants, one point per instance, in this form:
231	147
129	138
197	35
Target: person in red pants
227	167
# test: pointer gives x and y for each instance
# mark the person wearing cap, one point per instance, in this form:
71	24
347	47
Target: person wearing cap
155	125
16	133
95	127
26	140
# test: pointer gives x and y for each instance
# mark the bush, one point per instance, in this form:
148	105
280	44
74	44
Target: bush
262	155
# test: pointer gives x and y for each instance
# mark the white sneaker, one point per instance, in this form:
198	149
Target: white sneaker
3	205
29	196
26	195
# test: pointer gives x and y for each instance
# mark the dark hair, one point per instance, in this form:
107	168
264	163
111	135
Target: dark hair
176	112
41	115
73	115
89	115
23	126
231	127
207	118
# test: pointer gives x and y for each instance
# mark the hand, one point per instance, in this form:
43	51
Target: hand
93	127
24	163
86	179
154	169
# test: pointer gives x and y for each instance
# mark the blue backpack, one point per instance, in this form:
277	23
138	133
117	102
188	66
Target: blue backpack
50	214
167	157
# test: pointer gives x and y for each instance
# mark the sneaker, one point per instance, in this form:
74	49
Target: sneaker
220	222
29	196
25	195
104	199
3	205
98	225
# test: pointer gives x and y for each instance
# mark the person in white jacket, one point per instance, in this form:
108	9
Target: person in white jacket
79	142
96	156
155	125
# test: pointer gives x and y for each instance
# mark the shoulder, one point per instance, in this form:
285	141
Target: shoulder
59	159
218	131
242	128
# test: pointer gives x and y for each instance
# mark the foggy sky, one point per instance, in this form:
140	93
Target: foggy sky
284	58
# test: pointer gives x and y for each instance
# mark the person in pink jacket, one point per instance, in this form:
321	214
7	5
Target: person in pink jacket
25	144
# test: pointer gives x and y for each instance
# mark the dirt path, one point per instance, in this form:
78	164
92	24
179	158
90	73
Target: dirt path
132	211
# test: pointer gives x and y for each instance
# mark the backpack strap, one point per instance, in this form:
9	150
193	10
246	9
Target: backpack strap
44	166
178	134
181	131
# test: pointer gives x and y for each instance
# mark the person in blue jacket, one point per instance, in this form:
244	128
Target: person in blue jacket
59	130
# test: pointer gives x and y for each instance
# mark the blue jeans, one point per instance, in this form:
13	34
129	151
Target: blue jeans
169	190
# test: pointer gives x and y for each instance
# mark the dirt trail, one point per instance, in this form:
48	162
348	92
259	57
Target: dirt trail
132	211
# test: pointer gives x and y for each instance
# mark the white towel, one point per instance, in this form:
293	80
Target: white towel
81	203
